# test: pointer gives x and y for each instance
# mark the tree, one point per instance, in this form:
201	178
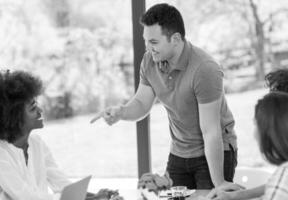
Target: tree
234	28
59	11
260	36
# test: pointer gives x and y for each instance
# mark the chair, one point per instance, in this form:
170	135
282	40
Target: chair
251	177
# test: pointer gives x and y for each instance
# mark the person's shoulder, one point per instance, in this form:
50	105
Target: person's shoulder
280	172
283	167
3	145
277	183
285	164
6	149
35	139
199	57
199	53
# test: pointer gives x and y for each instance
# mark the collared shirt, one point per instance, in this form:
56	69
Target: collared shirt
196	78
19	181
277	185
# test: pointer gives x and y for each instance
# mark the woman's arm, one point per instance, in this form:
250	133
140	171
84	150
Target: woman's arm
237	195
249	193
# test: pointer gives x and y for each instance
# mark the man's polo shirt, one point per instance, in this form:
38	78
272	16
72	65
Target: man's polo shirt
197	78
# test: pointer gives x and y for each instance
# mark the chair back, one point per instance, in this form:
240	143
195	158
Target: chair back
251	177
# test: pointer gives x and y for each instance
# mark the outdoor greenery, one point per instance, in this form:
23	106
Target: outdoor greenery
83	50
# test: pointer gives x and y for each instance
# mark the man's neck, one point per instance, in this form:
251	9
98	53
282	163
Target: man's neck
177	53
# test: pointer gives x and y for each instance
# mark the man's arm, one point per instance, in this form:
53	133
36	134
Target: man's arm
209	117
140	105
137	108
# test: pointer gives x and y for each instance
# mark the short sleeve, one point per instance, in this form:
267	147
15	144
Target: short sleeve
143	69
208	82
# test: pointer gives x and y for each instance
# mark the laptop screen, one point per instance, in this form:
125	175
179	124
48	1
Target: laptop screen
76	191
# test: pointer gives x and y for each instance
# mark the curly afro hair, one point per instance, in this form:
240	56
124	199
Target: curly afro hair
16	89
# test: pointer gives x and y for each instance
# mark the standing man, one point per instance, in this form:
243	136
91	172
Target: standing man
189	83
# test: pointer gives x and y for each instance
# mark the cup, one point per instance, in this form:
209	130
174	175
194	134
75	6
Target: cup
178	192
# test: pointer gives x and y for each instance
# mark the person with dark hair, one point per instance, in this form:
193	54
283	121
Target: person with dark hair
26	164
189	83
27	167
276	81
271	117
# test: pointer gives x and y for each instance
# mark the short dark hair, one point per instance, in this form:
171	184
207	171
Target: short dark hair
168	18
271	115
277	80
16	89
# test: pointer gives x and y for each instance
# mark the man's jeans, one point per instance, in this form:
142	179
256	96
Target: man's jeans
194	172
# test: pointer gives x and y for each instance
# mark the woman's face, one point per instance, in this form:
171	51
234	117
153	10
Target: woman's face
32	116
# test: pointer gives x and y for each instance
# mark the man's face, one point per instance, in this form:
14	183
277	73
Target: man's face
32	116
157	43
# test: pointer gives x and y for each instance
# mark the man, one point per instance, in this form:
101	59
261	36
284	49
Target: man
189	83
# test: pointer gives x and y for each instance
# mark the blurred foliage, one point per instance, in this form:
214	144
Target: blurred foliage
79	66
83	49
240	33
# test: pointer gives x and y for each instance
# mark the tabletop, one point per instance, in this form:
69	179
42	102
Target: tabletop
138	195
197	194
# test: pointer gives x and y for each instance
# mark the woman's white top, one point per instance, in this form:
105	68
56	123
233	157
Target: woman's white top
19	181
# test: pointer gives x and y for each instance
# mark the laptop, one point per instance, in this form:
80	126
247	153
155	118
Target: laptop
76	191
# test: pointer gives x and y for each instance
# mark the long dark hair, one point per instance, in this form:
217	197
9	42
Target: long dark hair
271	115
16	89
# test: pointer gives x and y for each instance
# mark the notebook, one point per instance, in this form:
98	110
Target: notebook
76	191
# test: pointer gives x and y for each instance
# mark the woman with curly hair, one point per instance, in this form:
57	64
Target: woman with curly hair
27	167
26	164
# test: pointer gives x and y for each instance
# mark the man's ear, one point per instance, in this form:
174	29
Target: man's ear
176	38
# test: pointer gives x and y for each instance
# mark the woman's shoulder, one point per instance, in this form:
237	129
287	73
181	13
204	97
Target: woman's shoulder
282	169
277	184
280	174
284	165
35	140
4	145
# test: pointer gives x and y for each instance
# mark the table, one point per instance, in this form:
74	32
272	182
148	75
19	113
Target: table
136	195
128	188
197	194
